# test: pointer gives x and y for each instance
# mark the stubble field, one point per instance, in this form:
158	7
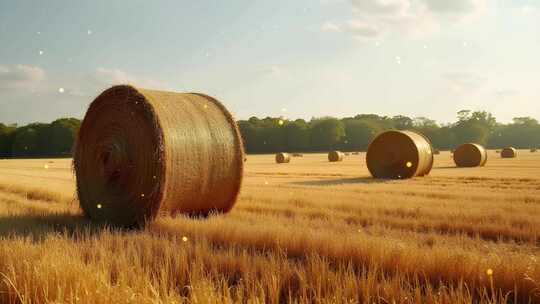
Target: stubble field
309	231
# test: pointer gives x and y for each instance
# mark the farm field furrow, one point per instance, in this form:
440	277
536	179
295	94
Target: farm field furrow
309	231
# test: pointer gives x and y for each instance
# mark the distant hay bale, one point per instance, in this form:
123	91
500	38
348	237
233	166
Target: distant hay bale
498	151
347	154
356	153
282	158
470	155
142	152
335	156
509	152
399	154
436	152
534	150
297	155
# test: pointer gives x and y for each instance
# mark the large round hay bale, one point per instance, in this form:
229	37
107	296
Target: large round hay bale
283	158
335	156
508	152
470	155
399	154
142	152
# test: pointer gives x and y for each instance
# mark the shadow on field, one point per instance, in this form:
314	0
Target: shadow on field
447	167
40	226
342	181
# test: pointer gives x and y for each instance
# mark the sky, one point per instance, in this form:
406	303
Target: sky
295	59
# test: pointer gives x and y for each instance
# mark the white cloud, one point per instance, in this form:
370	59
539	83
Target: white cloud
416	18
528	10
464	81
362	29
330	27
459	7
21	76
106	77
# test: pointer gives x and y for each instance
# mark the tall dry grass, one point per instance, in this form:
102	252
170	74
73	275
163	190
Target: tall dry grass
298	234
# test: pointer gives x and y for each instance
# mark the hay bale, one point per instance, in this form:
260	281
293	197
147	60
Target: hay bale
347	154
142	152
399	154
335	156
356	153
436	152
509	152
470	155
283	158
534	150
297	155
498	151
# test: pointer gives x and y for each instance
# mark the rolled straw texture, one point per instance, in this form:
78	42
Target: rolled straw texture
398	154
143	152
470	155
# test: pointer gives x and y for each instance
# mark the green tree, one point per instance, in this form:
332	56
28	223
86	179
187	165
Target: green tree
298	135
326	133
359	133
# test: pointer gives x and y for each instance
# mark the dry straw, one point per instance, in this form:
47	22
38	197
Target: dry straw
509	152
335	156
399	154
470	155
282	158
142	152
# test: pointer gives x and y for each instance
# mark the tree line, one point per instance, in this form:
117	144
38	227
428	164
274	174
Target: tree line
274	134
270	135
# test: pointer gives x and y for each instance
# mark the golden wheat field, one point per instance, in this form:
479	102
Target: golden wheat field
309	231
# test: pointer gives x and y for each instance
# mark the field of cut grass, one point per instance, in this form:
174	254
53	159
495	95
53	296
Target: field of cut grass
305	232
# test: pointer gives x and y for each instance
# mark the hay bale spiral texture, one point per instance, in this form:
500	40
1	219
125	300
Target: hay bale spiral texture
142	152
470	155
283	158
509	152
399	154
335	156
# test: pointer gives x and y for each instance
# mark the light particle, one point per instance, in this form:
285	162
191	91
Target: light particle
142	194
280	122
40	52
408	164
89	32
61	90
184	239
99	206
489	272
46	166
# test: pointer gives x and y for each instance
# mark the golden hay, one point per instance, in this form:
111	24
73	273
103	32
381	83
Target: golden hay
509	152
470	155
335	156
282	158
399	154
297	155
141	152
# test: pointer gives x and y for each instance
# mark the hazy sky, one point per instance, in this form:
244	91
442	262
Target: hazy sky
300	58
